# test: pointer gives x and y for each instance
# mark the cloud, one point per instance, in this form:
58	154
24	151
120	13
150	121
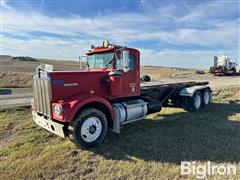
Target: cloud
119	28
71	49
47	47
192	11
4	4
221	36
211	11
176	58
40	35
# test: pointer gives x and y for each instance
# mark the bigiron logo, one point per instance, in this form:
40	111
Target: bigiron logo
201	170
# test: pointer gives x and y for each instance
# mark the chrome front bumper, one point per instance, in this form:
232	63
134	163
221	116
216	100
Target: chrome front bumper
49	125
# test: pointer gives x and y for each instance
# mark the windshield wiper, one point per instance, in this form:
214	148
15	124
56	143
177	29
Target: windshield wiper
87	65
106	65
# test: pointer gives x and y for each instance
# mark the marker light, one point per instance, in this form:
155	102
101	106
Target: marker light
106	43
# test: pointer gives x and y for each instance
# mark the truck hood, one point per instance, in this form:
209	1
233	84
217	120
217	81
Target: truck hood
66	84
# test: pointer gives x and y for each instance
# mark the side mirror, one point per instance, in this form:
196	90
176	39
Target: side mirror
83	64
125	60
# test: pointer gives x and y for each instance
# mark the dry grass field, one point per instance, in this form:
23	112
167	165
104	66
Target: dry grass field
18	72
164	72
149	149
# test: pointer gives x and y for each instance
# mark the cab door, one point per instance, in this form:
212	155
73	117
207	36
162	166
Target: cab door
130	81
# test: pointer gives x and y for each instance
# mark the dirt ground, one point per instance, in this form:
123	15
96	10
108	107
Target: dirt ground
162	75
215	82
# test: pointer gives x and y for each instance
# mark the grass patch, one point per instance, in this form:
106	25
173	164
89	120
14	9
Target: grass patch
231	95
152	148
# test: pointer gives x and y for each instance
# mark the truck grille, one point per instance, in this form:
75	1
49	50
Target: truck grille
42	94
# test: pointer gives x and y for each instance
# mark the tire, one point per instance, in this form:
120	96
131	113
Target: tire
89	128
146	78
190	103
206	97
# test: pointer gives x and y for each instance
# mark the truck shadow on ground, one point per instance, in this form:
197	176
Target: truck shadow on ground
209	135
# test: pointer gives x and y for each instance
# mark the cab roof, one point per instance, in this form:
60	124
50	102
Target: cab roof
99	50
105	48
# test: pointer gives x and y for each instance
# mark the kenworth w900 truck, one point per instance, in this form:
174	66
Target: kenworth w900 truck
83	105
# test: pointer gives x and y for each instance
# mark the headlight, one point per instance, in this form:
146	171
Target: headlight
57	109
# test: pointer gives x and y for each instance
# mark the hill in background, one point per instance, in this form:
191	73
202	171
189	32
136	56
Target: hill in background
17	71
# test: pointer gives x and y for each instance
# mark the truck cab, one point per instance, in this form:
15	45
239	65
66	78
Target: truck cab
83	105
122	67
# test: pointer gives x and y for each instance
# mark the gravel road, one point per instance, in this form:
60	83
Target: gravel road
22	96
19	97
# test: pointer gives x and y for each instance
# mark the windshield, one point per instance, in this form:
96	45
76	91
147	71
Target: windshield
103	60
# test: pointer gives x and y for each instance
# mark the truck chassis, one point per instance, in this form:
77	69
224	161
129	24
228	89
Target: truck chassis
153	97
182	95
83	105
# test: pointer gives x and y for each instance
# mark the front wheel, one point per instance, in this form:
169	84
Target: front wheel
89	128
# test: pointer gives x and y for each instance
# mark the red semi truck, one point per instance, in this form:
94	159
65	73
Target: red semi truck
83	105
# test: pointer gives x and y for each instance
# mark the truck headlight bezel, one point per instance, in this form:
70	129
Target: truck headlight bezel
57	109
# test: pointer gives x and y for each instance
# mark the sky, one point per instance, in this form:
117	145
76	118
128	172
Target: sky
167	33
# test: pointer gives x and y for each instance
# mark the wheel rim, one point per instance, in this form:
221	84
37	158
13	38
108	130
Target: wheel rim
197	101
91	129
206	97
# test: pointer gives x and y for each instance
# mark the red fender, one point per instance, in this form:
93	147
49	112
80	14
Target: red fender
71	106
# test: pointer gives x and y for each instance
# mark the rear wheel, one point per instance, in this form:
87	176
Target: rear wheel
89	128
193	103
206	97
